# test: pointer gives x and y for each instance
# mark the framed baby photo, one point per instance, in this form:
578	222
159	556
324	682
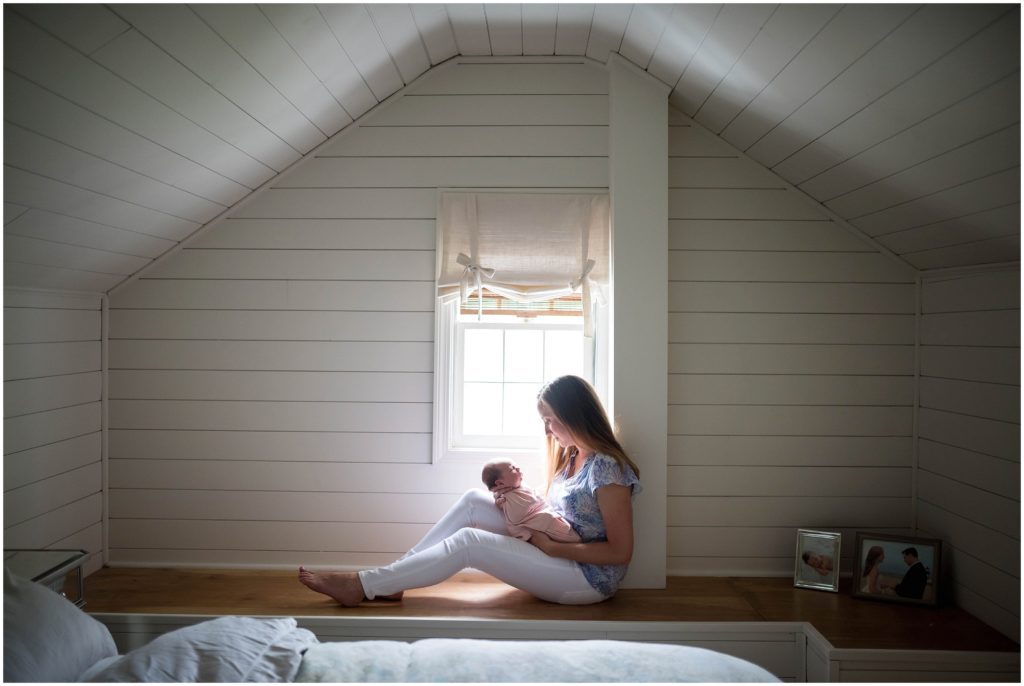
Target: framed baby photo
817	560
899	569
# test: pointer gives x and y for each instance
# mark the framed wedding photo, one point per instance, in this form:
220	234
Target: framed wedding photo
817	560
900	569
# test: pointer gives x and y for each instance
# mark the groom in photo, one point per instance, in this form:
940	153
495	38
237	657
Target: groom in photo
916	578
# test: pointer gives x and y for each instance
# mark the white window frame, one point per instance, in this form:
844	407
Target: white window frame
493	442
448	377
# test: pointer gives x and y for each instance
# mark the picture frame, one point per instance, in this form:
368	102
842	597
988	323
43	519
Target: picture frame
898	569
817	560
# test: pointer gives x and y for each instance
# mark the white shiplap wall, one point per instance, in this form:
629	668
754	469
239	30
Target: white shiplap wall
271	384
53	422
969	441
791	369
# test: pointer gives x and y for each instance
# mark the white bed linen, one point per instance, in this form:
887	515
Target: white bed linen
472	660
226	649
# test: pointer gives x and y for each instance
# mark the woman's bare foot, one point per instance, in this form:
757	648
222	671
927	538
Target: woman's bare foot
344	587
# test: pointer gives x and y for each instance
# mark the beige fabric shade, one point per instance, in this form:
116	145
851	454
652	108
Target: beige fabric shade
523	246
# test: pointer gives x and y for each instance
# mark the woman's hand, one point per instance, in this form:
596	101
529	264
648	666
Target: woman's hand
541	540
617	513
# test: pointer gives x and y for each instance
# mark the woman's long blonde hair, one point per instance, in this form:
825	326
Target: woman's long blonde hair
575	403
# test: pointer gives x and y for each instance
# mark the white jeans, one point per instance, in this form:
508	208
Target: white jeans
473	534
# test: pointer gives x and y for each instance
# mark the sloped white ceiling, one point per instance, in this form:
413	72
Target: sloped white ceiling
128	127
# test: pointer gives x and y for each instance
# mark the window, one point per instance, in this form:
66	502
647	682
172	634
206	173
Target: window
502	359
519	286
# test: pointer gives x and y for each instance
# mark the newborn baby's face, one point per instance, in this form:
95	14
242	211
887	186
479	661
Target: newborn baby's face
511	475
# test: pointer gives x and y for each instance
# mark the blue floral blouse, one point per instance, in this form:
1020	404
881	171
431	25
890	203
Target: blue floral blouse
575	498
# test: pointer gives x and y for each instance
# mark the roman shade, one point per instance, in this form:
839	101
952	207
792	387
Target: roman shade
524	246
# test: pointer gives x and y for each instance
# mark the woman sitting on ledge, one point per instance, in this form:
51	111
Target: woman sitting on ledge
592	482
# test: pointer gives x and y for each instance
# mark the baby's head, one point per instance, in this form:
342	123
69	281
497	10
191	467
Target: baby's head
501	474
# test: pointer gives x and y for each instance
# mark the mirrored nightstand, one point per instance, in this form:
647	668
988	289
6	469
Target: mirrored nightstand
51	568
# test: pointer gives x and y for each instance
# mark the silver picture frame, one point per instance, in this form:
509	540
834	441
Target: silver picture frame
817	560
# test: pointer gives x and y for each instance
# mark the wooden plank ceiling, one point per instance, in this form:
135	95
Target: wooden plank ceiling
129	127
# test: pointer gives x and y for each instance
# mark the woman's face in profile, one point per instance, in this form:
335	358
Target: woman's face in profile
553	426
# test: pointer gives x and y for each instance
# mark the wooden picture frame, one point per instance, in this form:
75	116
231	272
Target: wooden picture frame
817	560
899	569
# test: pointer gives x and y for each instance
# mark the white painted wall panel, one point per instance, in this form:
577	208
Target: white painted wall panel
411	387
986	472
248	31
505	27
375	296
52	421
378	477
273	354
988	251
286	356
50	392
40	155
60	228
33	360
266	446
436	31
573	28
958	232
86	27
50	254
982	112
987	155
307	32
33	500
985	193
44	193
849	35
50	530
969	438
927	35
606	29
765	235
763	327
871	451
179	30
21	275
791	371
38	464
469	24
51	115
557	77
320	234
283	325
270	506
787	31
539	25
43	59
455	141
457	172
363	265
143	63
644	30
763	389
726	42
492	110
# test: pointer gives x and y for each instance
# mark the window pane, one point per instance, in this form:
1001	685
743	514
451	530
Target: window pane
521	418
563	354
482	355
524	355
481	409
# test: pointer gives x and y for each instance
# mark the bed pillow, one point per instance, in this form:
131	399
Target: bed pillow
231	649
47	638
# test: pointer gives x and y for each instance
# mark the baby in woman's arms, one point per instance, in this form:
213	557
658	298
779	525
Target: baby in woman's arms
524	510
